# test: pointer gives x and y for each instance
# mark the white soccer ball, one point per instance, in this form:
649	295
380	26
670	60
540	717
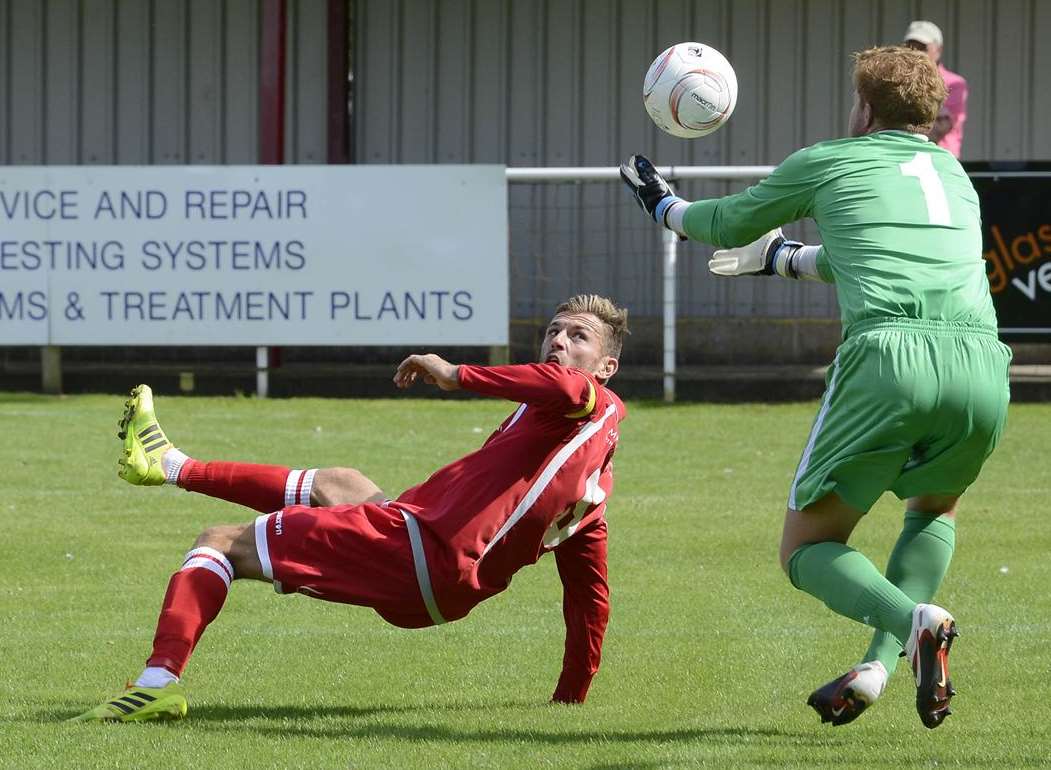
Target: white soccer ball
690	90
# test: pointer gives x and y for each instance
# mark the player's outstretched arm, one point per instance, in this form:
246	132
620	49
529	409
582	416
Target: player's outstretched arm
787	195
771	254
549	386
431	368
585	608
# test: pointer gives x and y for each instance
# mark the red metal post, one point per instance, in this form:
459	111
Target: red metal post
272	54
338	67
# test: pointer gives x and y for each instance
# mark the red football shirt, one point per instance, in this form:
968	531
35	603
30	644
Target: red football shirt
539	483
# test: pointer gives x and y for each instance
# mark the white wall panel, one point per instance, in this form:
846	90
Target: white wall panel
62	77
97	67
240	97
306	100
131	101
26	82
206	24
137	81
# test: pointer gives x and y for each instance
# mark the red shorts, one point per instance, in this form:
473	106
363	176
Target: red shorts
355	554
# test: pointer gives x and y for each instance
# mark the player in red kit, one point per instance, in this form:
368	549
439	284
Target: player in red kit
539	483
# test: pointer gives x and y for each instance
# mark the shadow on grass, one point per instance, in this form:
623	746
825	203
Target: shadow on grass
235	715
231	714
244	718
342	722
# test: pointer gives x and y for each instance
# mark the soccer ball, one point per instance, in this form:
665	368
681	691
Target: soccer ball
690	90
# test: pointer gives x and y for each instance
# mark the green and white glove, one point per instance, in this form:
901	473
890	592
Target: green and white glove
771	254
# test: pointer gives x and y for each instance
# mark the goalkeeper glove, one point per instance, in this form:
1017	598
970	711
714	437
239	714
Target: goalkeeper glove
769	255
651	192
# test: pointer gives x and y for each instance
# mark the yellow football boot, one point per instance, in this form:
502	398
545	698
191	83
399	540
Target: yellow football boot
140	704
144	441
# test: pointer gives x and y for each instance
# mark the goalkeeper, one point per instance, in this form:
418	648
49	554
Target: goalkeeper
916	398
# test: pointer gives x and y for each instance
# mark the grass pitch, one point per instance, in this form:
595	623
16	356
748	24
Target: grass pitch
709	656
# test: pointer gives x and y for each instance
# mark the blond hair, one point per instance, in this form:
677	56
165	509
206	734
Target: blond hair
902	86
614	318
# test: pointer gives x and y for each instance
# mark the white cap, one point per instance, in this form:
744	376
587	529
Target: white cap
925	32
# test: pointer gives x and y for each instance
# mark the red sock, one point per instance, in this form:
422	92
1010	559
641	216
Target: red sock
195	595
265	488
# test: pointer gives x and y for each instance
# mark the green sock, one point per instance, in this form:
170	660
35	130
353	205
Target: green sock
848	583
917	565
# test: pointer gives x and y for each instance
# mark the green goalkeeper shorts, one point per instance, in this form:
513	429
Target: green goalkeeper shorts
910	406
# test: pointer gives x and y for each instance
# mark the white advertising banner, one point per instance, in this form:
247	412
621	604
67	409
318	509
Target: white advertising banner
253	255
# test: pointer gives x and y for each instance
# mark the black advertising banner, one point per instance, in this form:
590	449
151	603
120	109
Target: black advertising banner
1016	233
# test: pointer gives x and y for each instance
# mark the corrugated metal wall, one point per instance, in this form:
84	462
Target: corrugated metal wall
522	82
558	82
152	81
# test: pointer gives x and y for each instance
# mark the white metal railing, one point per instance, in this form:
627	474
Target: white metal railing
669	239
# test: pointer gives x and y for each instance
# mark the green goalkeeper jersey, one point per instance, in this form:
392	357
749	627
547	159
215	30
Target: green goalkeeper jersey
899	221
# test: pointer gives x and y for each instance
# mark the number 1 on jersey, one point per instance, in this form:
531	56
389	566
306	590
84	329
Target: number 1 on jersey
922	168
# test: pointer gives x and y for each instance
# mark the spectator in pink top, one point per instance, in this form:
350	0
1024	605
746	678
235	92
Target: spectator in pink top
948	128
